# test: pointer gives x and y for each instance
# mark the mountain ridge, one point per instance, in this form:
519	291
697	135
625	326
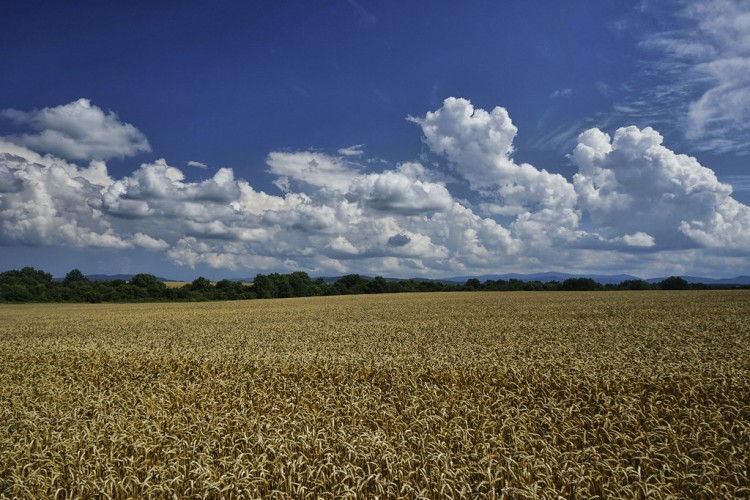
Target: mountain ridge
604	279
544	277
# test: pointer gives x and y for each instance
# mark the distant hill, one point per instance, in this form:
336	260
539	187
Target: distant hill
334	279
737	280
604	279
546	277
110	277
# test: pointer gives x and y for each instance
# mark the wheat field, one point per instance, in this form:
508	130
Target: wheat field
491	395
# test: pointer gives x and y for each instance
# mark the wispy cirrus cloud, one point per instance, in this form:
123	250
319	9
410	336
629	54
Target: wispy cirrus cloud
355	150
696	78
739	182
562	93
363	13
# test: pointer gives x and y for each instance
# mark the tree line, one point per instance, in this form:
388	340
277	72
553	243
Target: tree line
33	285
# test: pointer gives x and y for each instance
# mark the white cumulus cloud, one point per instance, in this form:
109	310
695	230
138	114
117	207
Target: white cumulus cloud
634	204
479	144
396	192
633	185
312	168
48	201
78	130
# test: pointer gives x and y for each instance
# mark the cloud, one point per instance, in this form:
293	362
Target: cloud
603	88
739	182
725	106
479	145
315	169
161	181
191	252
633	204
197	164
355	150
77	131
363	13
399	240
702	75
396	192
48	201
639	239
562	93
149	243
633	185
14	156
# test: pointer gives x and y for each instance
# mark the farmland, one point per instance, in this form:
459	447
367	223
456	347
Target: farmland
579	394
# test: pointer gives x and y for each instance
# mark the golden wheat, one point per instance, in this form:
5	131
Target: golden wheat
495	395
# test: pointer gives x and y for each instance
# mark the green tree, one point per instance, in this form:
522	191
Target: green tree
634	285
674	283
73	277
144	280
351	283
232	290
15	293
148	286
282	285
301	283
580	284
378	285
36	284
200	284
473	284
263	287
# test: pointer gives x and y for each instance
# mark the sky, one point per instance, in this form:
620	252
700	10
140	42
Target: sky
402	139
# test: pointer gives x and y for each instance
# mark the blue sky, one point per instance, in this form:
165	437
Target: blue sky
396	138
